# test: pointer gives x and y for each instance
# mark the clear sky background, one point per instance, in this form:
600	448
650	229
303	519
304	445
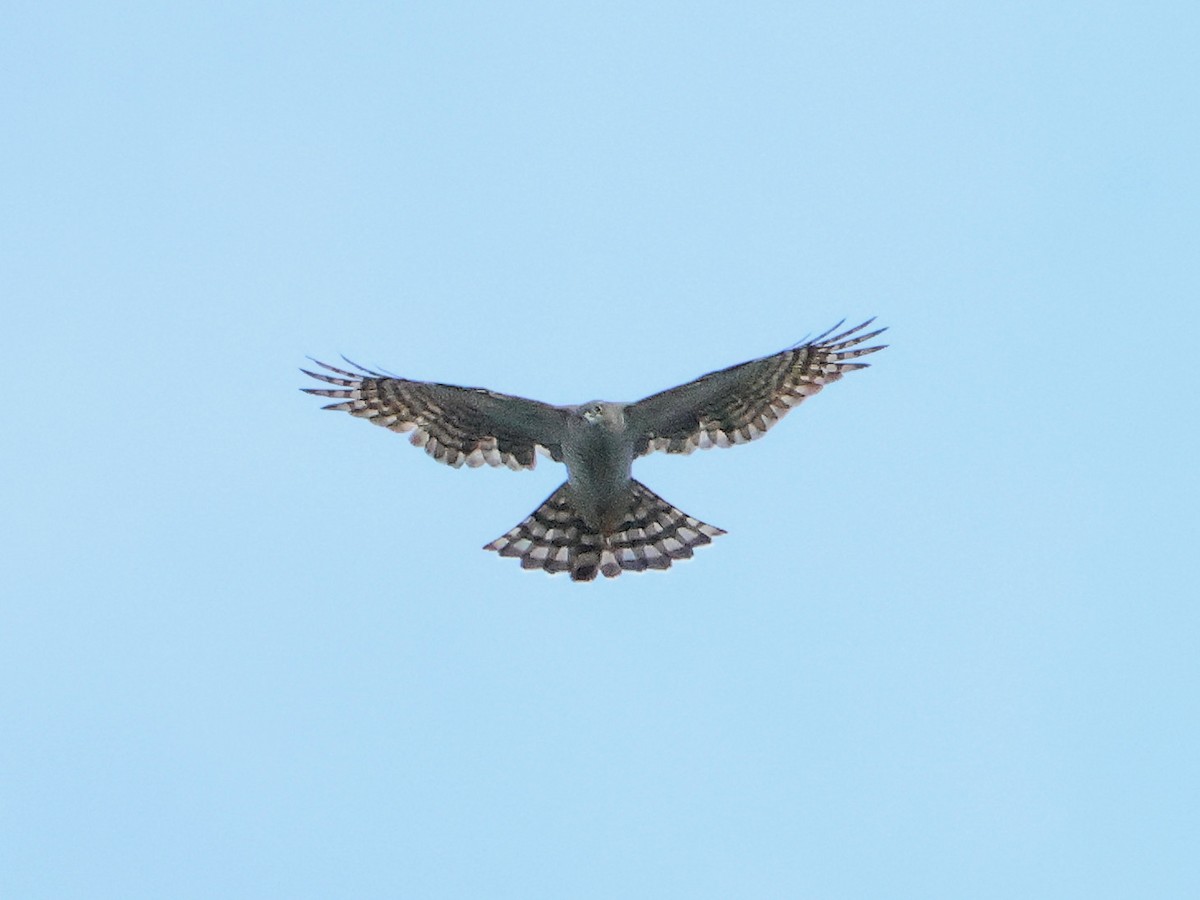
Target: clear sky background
949	645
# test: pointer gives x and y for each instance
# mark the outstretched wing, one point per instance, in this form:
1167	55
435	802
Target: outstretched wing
739	404
455	425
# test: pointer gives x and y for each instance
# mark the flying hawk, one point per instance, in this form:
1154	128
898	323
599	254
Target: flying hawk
600	520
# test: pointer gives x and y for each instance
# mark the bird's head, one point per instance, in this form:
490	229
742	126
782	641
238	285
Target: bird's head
599	412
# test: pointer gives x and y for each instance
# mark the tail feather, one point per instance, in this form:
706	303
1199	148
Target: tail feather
555	537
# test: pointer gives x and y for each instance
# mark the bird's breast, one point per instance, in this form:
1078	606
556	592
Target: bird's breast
599	467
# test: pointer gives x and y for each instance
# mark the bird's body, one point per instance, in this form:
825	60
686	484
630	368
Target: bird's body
598	453
601	520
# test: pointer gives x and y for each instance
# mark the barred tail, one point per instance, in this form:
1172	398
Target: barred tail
555	537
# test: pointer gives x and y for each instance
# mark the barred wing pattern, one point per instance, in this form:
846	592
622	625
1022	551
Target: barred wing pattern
455	425
739	404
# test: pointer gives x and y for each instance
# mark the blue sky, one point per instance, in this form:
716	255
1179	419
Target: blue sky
948	647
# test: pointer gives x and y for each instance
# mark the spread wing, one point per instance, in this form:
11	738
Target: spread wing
455	425
739	404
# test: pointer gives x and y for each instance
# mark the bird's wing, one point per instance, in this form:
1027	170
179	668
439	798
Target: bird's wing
739	404
455	425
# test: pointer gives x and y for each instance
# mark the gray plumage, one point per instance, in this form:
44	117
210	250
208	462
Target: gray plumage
601	520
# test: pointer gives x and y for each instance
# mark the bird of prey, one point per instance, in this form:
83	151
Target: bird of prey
600	520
